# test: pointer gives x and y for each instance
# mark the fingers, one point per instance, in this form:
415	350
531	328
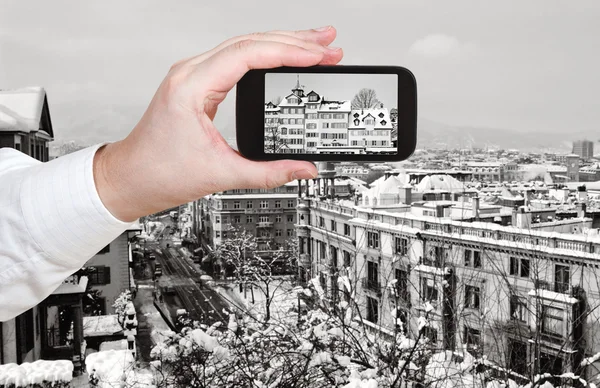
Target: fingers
310	39
229	65
269	175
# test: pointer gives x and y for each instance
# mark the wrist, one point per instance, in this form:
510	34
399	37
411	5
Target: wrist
112	177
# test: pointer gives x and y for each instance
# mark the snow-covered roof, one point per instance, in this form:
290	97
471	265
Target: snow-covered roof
21	109
391	185
71	288
334	106
37	373
102	325
439	182
114	345
380	115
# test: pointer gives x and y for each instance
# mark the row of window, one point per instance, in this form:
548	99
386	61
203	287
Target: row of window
333	136
333	226
260	233
377	132
262	204
236	219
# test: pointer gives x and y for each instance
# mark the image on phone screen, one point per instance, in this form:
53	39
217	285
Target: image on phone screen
312	113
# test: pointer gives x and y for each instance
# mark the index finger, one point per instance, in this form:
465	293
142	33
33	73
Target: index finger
228	66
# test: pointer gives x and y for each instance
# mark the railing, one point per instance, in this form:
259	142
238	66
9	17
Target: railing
371	285
264	224
266	211
558	287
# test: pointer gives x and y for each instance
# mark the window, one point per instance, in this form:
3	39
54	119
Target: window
369	121
278	203
263	219
333	226
99	275
472	339
290	232
217	220
104	250
346	230
25	334
321	222
401	246
372	310
372	275
277	232
217	234
325	125
236	204
290	218
401	277
552	321
430	333
519	267
237	219
249	205
264	204
249	219
347	260
290	203
472	258
429	292
224	205
472	297
278	218
561	278
518	309
373	239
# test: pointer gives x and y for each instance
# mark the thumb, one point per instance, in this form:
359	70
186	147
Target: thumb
269	175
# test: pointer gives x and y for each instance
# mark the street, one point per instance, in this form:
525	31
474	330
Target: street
181	284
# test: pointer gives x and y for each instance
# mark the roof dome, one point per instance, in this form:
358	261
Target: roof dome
440	182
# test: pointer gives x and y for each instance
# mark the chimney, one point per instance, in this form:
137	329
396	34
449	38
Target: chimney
581	208
582	194
475	205
405	194
523	218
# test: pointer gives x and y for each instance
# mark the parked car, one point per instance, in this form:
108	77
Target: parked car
157	270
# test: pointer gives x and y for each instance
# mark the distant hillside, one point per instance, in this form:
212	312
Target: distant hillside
431	134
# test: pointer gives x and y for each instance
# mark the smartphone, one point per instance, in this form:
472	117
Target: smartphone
327	113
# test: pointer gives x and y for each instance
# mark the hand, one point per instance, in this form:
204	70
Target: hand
175	154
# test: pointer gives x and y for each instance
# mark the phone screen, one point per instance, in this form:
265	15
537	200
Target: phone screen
312	113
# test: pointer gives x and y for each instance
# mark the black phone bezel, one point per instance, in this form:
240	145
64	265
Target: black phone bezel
250	100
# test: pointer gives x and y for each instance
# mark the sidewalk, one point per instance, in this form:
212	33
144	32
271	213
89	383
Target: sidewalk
150	324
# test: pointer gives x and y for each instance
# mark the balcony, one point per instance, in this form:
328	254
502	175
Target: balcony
266	211
371	285
398	295
264	224
558	287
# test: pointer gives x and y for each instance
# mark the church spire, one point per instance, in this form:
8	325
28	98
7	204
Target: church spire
298	90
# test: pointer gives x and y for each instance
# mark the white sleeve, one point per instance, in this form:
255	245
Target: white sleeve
52	222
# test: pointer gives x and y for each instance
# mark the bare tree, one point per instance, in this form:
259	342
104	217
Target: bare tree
276	100
274	142
365	99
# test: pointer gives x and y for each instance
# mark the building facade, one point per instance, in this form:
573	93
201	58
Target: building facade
308	123
523	297
269	215
25	123
584	149
109	271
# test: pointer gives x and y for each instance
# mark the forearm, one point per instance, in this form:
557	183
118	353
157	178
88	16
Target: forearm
52	223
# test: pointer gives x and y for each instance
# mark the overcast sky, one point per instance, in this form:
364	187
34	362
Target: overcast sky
334	86
524	65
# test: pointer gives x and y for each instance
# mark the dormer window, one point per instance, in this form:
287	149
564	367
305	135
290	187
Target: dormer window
356	115
356	122
383	122
369	121
381	115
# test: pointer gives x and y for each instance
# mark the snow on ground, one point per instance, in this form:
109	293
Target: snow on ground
115	368
284	298
37	372
114	345
101	325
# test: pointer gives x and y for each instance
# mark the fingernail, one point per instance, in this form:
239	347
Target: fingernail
303	174
323	29
333	48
